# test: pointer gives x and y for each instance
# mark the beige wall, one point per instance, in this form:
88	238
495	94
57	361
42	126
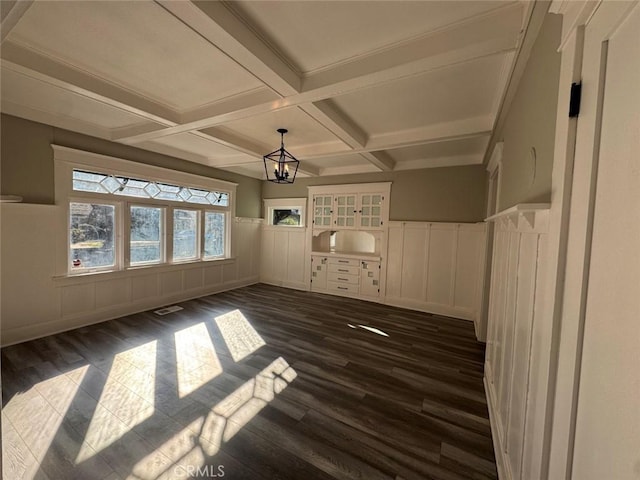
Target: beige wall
451	194
531	121
27	163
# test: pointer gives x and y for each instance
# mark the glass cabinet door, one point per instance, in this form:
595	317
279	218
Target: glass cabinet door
370	210
345	211
322	210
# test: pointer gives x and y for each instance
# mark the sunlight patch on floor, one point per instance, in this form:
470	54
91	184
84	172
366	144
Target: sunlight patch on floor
196	360
127	399
30	422
203	438
241	338
374	330
370	329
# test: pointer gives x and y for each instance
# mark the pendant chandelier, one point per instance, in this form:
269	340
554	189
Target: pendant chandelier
280	166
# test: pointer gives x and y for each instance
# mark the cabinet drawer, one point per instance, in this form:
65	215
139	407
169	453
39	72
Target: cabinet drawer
348	269
353	262
343	278
342	287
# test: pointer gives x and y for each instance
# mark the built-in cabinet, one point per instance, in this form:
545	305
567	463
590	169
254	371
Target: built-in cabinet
348	238
350	276
363	210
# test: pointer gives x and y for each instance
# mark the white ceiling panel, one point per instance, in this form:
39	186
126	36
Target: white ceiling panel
462	91
452	148
198	145
26	91
136	45
304	132
317	34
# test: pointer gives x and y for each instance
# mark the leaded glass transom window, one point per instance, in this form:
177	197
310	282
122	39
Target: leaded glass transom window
84	181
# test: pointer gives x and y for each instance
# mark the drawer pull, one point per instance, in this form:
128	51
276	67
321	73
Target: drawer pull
343	288
343	261
343	270
343	279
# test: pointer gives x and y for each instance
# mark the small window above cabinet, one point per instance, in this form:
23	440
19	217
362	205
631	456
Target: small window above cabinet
363	206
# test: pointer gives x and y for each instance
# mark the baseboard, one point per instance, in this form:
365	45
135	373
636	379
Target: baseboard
446	310
31	332
502	464
283	283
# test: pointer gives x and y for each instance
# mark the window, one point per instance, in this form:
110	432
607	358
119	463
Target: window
91	236
146	235
214	223
185	234
84	181
124	214
285	212
286	216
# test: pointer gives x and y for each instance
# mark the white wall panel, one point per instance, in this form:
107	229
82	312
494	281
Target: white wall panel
144	287
519	373
441	269
213	275
284	257
280	254
170	282
296	257
28	264
193	278
429	270
78	299
469	260
415	246
515	299
394	260
113	292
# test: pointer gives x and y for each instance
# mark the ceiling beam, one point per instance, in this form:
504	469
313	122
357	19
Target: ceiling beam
12	12
336	122
222	27
382	160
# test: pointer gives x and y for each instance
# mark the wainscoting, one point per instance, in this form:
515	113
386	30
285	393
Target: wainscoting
284	258
36	303
436	267
511	366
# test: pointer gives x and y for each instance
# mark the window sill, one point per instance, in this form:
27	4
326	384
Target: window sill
139	270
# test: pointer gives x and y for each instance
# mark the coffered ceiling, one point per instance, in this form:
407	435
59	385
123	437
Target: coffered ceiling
363	86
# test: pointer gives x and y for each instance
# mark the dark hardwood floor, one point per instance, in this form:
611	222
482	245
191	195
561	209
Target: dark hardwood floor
289	386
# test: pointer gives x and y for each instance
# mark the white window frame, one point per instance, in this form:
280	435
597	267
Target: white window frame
272	204
67	159
117	240
203	229
198	235
163	241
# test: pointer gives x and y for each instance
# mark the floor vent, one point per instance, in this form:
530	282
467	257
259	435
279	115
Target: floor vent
166	310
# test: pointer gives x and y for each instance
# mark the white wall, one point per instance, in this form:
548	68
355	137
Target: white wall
512	379
285	261
35	303
436	267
